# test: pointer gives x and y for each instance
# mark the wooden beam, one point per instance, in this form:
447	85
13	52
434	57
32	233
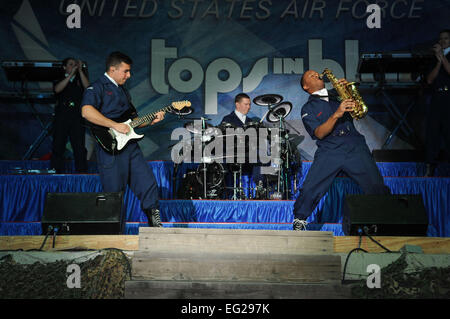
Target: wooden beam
429	245
342	244
123	242
251	241
237	266
170	289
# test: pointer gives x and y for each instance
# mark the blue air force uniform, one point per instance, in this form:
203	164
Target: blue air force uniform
247	168
234	120
128	166
343	149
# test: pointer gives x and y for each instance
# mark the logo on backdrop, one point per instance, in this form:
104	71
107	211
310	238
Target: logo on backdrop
215	82
245	9
224	75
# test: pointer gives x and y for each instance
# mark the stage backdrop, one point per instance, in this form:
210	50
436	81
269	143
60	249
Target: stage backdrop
207	51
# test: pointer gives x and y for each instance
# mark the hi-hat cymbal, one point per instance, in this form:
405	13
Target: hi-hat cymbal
281	110
195	119
196	129
267	99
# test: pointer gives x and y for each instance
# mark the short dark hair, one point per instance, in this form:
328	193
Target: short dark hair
115	58
444	31
66	60
241	96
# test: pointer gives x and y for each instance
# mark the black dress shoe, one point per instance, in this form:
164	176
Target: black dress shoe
154	219
299	224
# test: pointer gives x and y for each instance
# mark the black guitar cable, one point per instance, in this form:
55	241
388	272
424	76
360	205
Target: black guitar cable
366	231
346	261
49	230
360	232
55	231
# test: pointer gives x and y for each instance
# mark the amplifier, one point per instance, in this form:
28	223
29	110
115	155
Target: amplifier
84	213
385	215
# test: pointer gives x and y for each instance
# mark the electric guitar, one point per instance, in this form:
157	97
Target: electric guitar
113	141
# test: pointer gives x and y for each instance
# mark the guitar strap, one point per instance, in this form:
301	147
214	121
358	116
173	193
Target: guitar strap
132	109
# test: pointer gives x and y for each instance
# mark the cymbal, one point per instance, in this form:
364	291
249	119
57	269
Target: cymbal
281	110
225	125
196	129
211	159
267	99
195	119
296	139
232	134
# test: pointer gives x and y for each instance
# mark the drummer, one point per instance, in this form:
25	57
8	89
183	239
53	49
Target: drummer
238	118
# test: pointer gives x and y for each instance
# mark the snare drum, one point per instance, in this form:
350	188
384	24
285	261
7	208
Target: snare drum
253	124
224	125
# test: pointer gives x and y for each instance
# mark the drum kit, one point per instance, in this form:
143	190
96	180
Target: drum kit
211	178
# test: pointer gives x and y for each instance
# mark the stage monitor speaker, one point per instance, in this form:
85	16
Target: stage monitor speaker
385	215
84	213
398	155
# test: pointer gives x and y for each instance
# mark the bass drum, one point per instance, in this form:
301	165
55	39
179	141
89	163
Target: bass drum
215	180
189	188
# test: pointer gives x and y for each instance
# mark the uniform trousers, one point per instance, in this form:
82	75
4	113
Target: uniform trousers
437	130
68	125
128	167
353	159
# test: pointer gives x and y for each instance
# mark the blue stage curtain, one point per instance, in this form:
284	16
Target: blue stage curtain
22	199
12	167
387	169
133	228
209	211
23	196
398	169
20	229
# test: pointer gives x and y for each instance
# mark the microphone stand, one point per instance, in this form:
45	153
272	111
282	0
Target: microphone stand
204	163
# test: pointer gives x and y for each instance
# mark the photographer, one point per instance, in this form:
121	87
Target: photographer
438	113
68	121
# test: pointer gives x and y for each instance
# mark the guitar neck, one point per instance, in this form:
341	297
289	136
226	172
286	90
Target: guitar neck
148	118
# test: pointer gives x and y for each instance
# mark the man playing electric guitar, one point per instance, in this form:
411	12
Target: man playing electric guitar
107	99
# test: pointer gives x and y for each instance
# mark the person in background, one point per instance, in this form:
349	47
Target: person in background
239	119
438	115
68	122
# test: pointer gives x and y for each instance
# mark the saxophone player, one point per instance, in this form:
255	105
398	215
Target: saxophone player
340	147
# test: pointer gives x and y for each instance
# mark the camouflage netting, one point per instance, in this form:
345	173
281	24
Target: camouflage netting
396	283
101	277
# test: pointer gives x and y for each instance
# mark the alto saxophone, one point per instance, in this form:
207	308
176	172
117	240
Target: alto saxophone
348	91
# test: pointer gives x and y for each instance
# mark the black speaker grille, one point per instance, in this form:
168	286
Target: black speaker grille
85	213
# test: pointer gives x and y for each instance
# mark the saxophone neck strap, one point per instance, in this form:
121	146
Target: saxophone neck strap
331	96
